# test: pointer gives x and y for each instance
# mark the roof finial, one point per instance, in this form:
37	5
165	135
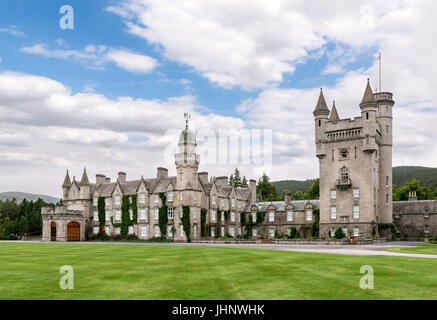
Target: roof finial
187	119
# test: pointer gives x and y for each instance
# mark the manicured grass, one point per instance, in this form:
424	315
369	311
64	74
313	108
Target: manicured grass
106	271
423	248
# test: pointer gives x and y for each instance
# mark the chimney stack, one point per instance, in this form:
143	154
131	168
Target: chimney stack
252	188
287	198
203	176
412	196
100	178
122	177
162	173
107	180
221	181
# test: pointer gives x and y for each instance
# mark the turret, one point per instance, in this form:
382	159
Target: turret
66	185
368	103
334	114
84	185
321	114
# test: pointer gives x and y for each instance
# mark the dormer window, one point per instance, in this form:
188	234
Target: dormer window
142	198
233	202
213	199
117	199
95	201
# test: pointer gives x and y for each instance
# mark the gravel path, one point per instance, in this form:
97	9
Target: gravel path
360	250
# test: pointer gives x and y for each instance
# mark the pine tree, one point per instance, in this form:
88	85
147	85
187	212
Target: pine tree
231	180
266	189
237	178
244	183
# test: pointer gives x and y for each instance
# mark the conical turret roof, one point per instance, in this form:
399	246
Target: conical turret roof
368	95
67	181
334	114
84	179
321	107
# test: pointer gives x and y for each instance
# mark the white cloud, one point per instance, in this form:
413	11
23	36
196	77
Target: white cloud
132	62
13	30
96	56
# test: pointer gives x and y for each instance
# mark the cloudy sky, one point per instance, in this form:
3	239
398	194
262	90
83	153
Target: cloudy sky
110	94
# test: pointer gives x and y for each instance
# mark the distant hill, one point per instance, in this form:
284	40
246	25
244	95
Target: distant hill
29	196
426	176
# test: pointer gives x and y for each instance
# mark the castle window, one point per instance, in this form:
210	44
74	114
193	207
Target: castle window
212	231
117	199
272	216
386	181
356	212
195	196
254	232
213	199
387	129
289	216
309	215
195	231
116	230
387	198
367	115
107	201
320	123
96	230
157	231
106	215
355	152
170	213
233	216
170	196
117	215
95	201
156	214
271	233
333	212
345	230
332	154
107	230
232	231
170	234
156	199
142	198
222	218
143	231
356	232
131	230
426	229
253	217
213	217
143	214
194	213
96	216
356	193
222	231
333	195
181	196
233	202
182	232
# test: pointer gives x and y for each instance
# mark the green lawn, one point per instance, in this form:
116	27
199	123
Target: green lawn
104	271
424	248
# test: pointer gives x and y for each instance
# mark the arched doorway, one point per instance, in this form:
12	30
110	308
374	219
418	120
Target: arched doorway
73	231
53	231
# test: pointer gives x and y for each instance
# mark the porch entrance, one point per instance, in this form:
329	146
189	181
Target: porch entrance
73	231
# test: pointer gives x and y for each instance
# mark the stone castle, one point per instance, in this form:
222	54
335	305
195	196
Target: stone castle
355	158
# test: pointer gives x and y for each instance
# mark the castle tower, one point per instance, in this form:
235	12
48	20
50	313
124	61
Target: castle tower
354	163
384	117
66	186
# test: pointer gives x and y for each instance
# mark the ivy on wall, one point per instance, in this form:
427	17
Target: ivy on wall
203	230
315	225
260	217
186	221
218	224
242	218
163	215
101	212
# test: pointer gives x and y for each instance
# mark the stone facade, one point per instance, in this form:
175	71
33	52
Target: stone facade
355	165
355	162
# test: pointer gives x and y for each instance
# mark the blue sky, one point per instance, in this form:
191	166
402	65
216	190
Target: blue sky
239	66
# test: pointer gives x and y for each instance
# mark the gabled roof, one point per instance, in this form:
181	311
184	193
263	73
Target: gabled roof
161	184
243	193
224	191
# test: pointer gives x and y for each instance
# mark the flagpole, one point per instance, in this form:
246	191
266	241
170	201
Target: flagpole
380	85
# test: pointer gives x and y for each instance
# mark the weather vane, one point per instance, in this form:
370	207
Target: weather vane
187	118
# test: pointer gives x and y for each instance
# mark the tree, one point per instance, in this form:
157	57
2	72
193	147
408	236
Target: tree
298	195
231	180
265	188
313	192
244	183
237	178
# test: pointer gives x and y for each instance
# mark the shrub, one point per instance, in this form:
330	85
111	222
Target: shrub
339	234
293	233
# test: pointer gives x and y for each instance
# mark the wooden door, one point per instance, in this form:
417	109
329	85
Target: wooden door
73	231
53	231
